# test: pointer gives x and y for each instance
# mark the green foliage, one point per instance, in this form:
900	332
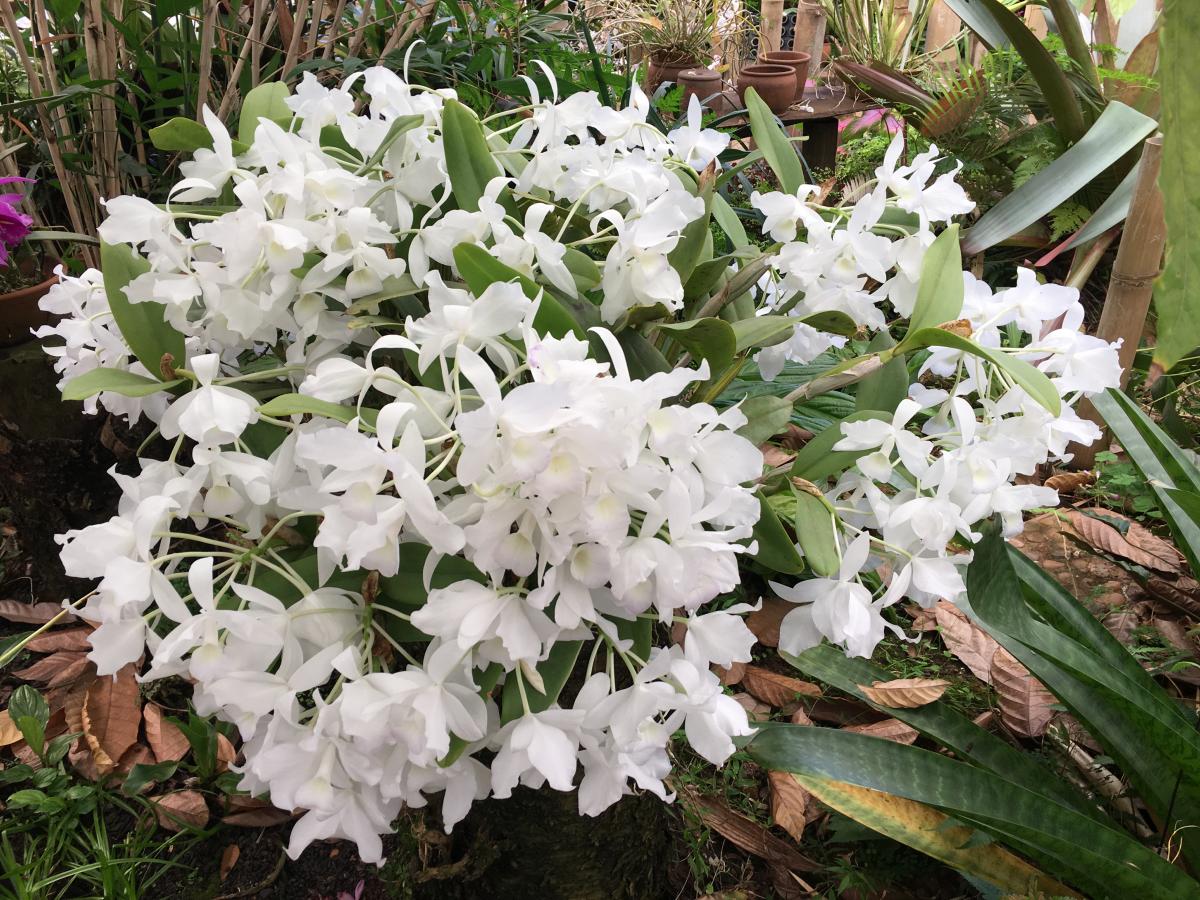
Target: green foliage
1067	219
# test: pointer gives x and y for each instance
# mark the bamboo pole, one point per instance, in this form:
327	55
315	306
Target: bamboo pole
942	33
1139	259
771	30
809	34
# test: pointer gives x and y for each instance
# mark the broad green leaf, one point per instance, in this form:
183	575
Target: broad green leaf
583	269
776	551
1036	384
886	387
1118	130
832	321
934	833
817	460
180	135
142	324
1175	294
729	222
1056	89
1104	860
940	293
762	331
641	356
1150	449
27	703
711	339
119	381
301	404
554	670
1112	212
705	277
765	416
480	270
144	774
640	631
267	101
777	149
469	162
1182	512
689	250
400	126
816	532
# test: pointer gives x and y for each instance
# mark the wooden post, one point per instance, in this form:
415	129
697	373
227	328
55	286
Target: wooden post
1139	259
1035	20
944	27
770	34
809	34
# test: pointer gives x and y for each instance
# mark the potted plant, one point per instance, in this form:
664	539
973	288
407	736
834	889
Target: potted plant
26	274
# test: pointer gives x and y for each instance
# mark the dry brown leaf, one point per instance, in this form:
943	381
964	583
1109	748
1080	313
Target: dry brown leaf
82	669
905	693
764	622
112	717
68	639
9	732
775	456
48	667
787	885
1121	624
756	711
1175	634
969	643
801	717
225	753
32	613
248	812
180	810
776	689
747	834
138	754
732	675
83	761
888	729
1025	706
229	858
164	738
789	803
1138	544
923	618
1069	482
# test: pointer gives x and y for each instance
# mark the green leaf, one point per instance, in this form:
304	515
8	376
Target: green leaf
1111	212
180	135
142	324
711	339
776	551
940	293
762	331
1150	449
817	460
1182	512
1118	130
554	671
816	532
468	160
832	321
1175	295
765	416
299	404
27	703
729	222
267	101
583	268
119	381
886	387
777	149
641	356
692	240
1031	379
1104	860
1059	95
480	270
400	125
143	775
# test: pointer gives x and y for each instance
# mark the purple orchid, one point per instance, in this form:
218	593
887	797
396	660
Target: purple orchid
14	224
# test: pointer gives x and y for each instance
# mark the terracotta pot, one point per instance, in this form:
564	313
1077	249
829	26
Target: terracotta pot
703	83
775	83
19	312
798	60
666	68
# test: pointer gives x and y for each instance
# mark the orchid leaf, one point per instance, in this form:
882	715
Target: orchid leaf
816	532
554	672
301	404
766	416
468	160
940	293
143	325
118	381
817	460
762	331
776	550
777	148
711	339
480	270
267	101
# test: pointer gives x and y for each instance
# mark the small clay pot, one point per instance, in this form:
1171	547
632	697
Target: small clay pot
666	68
701	82
19	312
775	84
798	60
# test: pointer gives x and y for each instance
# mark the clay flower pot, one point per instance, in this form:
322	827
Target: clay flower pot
666	68
798	60
704	83
19	312
775	83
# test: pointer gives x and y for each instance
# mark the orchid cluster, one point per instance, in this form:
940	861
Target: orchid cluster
441	403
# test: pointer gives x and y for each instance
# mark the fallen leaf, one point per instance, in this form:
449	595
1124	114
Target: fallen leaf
49	667
9	732
905	693
776	689
68	639
732	675
787	885
81	669
164	738
764	622
180	810
1121	624
1025	706
801	717
888	729
923	618
248	812
225	753
112	717
1176	635
755	710
969	643
789	803
795	437
775	456
32	613
1068	482
744	832
1138	544
229	858
135	755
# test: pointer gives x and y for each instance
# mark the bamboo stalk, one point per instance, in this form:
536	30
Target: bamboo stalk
293	50
208	25
1139	259
771	33
335	25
